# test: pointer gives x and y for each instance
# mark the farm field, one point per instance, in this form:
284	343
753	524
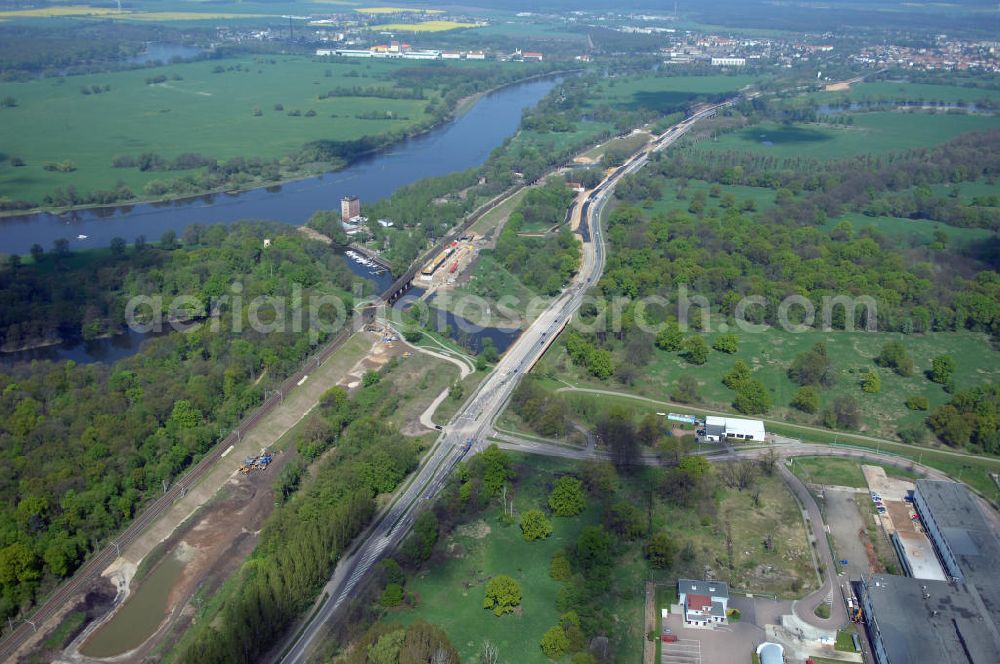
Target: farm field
395	10
905	91
770	353
194	109
425	26
663	93
876	132
526	28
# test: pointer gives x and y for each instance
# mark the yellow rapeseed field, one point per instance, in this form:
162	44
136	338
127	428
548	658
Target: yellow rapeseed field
189	16
59	10
424	26
397	10
86	10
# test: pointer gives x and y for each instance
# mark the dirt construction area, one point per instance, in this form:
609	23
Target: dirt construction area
215	525
899	519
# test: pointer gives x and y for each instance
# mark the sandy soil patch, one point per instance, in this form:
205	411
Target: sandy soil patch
476	530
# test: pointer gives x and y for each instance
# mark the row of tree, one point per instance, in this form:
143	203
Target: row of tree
304	538
86	446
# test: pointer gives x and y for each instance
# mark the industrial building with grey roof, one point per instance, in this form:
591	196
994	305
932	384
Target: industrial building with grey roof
911	621
965	541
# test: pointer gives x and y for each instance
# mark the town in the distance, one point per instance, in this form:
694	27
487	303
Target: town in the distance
501	332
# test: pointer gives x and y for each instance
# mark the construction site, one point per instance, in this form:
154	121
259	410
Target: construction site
258	462
444	268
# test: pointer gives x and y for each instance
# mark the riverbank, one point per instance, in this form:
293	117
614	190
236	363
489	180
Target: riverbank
461	107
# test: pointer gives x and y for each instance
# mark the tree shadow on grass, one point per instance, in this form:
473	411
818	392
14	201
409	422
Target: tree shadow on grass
986	251
665	101
785	135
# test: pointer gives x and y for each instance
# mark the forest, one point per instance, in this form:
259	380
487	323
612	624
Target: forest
783	249
61	294
724	249
86	446
544	264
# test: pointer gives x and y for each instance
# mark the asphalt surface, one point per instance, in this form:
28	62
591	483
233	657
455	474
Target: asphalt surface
468	431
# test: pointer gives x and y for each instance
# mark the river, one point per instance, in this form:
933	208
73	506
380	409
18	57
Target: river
460	144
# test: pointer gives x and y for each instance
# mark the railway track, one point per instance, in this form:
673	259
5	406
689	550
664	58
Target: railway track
98	562
91	569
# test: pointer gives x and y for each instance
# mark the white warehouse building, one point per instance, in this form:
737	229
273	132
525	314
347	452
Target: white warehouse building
717	428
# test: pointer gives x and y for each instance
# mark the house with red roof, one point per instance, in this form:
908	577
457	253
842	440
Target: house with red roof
704	602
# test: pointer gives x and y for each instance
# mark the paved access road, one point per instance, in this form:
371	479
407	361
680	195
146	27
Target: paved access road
469	429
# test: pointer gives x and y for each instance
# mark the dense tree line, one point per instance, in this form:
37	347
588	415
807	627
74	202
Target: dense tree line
379	93
417	643
970	419
87	445
543	264
729	251
37	303
304	538
873	184
542	410
27	50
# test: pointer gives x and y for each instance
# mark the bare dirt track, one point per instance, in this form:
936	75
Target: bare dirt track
213	525
214	543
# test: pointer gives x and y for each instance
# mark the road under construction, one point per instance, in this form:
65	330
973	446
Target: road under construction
468	431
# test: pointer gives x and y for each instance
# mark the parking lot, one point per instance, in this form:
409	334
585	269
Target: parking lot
723	645
847	528
682	651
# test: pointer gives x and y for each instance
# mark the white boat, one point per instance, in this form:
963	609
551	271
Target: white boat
81	237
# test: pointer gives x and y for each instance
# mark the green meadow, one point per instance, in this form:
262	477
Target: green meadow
762	197
904	91
770	353
193	110
450	591
663	93
839	471
877	132
913	232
